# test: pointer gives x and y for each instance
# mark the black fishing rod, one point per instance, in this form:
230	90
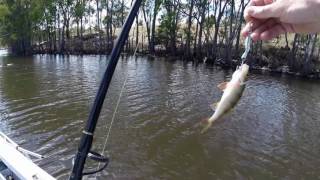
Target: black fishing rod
87	134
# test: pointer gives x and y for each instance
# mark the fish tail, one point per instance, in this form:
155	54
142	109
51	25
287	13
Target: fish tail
207	124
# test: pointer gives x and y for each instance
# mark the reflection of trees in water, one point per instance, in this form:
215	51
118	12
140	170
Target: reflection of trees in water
20	80
303	124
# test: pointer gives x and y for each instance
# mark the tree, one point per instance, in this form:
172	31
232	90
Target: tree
18	19
79	11
156	9
169	24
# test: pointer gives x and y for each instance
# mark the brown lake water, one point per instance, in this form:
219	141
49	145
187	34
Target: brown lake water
273	133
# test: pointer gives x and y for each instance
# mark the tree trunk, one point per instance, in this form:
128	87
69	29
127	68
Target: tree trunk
153	26
189	24
286	38
202	13
60	33
195	38
98	16
229	39
110	24
98	26
148	28
62	49
217	25
107	26
239	31
310	46
137	29
292	57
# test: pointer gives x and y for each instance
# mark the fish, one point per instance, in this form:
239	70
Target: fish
232	92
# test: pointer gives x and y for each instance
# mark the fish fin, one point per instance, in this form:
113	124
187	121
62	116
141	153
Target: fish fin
207	124
223	86
214	106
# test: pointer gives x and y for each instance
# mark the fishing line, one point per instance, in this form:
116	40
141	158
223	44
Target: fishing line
247	45
115	111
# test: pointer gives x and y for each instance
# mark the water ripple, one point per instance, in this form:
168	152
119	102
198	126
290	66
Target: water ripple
273	133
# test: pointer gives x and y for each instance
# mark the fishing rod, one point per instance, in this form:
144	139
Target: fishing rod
87	134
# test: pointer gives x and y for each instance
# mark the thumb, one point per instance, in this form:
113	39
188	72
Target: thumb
272	10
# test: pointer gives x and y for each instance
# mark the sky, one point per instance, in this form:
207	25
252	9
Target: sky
92	19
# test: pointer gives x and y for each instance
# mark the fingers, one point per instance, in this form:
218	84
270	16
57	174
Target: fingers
256	33
262	9
272	32
258	27
272	10
254	3
261	2
272	28
252	25
262	14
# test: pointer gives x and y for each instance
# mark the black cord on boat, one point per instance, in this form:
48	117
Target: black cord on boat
87	136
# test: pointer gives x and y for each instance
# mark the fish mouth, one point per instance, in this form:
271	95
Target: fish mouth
244	68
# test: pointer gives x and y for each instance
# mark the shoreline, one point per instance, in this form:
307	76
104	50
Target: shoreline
265	70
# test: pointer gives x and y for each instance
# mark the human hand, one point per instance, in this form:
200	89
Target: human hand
269	19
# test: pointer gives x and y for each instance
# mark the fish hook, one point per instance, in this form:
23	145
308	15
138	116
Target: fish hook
247	45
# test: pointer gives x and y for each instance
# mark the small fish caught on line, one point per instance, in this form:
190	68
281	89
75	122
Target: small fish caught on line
232	91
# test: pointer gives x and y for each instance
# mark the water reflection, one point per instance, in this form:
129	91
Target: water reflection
272	134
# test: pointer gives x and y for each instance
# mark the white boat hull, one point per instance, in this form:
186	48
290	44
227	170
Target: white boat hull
17	163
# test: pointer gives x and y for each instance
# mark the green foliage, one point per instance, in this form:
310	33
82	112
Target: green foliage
167	26
17	19
157	5
210	21
4	11
206	25
79	10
